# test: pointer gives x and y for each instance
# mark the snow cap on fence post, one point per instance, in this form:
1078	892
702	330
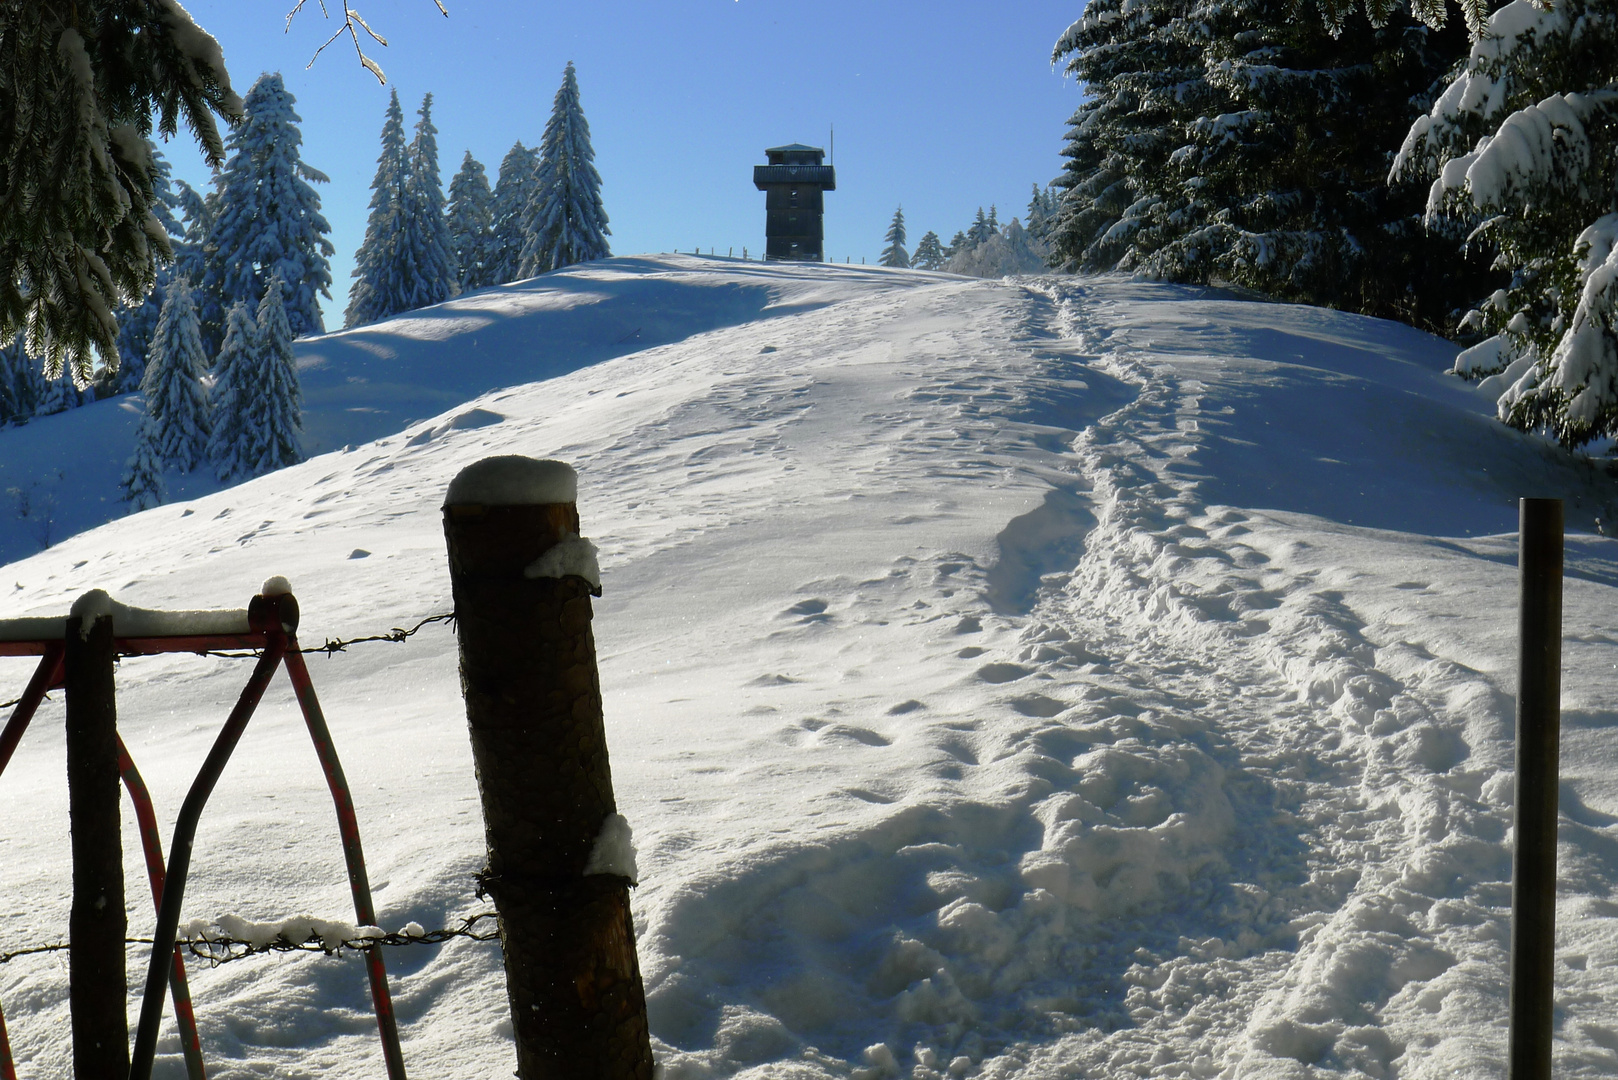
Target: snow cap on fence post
513	480
522	579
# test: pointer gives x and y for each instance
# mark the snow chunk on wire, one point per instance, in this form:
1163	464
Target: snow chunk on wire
513	480
573	556
614	851
333	934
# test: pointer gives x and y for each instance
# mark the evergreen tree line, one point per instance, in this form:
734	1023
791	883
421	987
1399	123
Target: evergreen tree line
1234	142
219	380
255	241
243	418
983	249
543	213
1460	175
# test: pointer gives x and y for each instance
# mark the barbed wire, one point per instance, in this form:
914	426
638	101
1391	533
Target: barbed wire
336	645
220	949
332	646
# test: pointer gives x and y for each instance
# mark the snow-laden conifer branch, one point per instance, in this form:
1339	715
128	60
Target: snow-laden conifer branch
1520	149
1232	141
85	81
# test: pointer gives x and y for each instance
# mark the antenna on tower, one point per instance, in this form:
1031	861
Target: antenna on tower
833	142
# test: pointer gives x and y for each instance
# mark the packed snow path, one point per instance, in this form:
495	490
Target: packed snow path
1043	679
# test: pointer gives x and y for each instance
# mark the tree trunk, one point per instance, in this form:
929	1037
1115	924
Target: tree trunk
97	925
533	703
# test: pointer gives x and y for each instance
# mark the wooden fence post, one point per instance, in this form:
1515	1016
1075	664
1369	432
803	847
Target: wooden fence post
533	703
97	923
1539	726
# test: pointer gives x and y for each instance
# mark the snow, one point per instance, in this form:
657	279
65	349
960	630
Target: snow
332	934
572	556
1033	678
614	850
129	622
200	47
1530	146
513	480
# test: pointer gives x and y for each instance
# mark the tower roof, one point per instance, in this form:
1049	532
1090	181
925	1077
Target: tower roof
793	146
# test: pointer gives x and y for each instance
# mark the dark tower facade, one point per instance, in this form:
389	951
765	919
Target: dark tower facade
794	209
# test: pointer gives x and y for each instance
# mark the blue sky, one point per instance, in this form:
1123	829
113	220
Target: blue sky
940	106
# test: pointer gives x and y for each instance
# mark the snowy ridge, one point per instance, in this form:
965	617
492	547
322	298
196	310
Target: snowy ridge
1031	678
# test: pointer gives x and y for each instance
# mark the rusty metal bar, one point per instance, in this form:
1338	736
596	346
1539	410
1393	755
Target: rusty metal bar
46	675
152	845
265	611
8	1071
348	826
273	622
195	643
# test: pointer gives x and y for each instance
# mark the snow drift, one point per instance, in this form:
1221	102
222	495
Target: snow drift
1035	678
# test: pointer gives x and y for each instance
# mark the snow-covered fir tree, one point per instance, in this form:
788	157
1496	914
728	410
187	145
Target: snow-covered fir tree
429	261
979	231
513	190
176	397
470	217
268	222
82	84
22	384
894	254
1006	251
241	353
565	222
142	483
929	253
197	212
1524	143
61	394
1041	212
378	290
273	418
136	322
1265	160
1142	80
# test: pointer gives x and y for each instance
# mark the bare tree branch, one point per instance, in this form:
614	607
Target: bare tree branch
351	18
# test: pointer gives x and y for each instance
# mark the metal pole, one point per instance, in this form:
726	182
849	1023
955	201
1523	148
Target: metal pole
264	616
359	882
152	847
1539	721
533	703
97	923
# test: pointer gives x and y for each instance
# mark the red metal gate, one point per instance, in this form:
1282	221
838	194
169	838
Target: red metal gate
269	626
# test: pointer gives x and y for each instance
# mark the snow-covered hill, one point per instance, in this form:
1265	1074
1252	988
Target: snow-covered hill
1043	678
